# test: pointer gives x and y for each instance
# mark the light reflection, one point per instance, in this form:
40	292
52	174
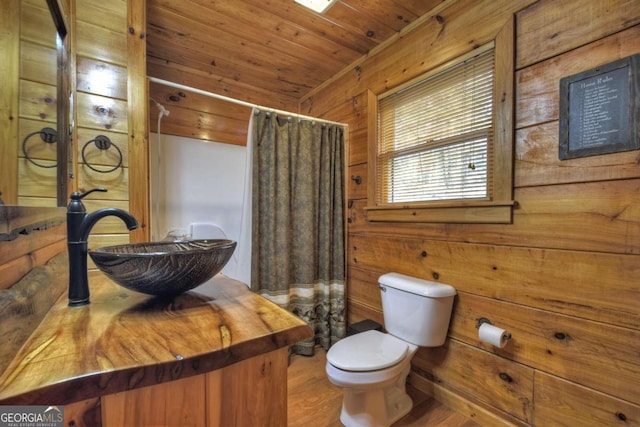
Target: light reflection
101	80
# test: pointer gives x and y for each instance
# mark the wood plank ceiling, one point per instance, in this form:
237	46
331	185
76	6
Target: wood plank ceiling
266	52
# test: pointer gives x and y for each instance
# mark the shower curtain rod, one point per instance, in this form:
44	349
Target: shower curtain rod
237	101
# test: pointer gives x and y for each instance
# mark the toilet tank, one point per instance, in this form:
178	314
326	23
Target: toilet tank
416	310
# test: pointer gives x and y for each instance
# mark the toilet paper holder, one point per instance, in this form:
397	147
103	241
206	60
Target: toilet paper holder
481	320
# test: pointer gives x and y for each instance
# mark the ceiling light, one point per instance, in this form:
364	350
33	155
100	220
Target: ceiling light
317	5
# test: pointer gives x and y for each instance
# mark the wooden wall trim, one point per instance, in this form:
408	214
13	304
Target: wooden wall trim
138	120
372	143
504	113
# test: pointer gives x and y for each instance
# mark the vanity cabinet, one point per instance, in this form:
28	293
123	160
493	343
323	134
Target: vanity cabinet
252	392
215	356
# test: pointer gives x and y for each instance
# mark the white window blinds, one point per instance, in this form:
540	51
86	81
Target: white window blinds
435	137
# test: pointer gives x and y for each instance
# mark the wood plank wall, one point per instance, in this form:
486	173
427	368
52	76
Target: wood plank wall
99	71
33	263
101	109
37	104
197	116
33	274
33	267
563	277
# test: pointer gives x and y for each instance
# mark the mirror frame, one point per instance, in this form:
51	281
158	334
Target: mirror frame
58	17
63	103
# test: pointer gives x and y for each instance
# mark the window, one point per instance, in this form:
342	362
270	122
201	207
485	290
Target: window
443	150
433	136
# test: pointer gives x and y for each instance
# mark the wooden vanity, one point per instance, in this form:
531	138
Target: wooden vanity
215	356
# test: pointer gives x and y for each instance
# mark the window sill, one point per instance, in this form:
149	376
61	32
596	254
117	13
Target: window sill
467	213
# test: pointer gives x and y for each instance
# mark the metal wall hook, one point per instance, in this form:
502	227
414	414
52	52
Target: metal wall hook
357	179
102	142
48	135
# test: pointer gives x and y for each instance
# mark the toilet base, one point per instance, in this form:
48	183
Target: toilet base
379	405
377	408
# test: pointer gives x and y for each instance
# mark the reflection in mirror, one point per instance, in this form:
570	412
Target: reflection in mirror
31	138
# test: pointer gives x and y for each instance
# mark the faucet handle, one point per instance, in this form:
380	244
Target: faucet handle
76	205
78	196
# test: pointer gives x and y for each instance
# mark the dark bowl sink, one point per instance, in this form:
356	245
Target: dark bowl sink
163	268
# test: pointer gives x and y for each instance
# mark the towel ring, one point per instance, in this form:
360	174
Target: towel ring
103	143
48	135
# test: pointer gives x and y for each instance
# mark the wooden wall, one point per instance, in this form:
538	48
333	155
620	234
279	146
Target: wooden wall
37	104
33	263
33	259
563	277
197	116
98	31
33	271
101	109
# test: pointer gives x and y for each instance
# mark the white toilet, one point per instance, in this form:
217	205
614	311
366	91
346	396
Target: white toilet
372	366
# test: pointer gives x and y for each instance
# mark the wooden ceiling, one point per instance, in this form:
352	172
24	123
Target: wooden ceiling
266	52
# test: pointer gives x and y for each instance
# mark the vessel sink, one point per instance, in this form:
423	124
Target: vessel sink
163	268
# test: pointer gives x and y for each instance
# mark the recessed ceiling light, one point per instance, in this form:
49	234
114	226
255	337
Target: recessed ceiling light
317	5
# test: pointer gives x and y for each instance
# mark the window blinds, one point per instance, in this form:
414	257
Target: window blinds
435	137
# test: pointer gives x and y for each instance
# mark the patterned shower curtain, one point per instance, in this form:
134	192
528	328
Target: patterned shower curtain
298	222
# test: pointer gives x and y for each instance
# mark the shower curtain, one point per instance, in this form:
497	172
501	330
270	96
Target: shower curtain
298	222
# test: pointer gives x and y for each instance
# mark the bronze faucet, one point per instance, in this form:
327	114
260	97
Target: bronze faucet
79	225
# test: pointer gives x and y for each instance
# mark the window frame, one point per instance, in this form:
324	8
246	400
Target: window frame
498	206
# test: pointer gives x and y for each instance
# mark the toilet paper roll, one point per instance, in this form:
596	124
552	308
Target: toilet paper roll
493	335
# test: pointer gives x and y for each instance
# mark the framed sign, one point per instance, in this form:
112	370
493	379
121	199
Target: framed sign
600	110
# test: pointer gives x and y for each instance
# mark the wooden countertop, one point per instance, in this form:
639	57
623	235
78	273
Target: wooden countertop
125	340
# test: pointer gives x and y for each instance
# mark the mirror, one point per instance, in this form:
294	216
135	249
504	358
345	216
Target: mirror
34	129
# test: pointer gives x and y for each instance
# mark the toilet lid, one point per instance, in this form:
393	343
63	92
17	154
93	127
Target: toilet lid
367	351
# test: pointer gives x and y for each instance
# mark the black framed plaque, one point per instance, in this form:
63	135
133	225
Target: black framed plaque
600	110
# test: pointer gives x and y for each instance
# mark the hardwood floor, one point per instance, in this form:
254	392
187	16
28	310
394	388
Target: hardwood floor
315	402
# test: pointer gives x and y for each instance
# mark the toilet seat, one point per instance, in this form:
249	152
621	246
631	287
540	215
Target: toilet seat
367	351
